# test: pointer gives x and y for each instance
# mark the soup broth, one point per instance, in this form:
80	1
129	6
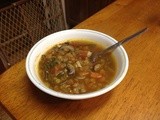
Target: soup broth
66	68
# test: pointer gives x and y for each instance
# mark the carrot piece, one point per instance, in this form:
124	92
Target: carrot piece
83	54
56	69
95	75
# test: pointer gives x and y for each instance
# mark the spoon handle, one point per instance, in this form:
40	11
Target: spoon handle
110	49
113	47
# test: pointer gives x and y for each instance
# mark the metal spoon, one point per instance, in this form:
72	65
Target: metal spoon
110	49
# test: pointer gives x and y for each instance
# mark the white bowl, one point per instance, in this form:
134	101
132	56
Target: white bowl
49	41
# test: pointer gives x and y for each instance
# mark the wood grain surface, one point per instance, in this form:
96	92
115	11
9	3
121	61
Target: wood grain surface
136	98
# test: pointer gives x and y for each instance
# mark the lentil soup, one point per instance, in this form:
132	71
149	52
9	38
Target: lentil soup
66	68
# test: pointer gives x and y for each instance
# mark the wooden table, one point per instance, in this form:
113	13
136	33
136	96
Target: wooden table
136	98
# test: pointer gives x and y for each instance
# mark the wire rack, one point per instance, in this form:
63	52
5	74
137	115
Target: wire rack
25	22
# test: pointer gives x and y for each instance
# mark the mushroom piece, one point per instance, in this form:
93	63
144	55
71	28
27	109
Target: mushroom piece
97	67
71	69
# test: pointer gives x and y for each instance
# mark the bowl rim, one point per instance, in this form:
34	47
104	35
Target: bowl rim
75	96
